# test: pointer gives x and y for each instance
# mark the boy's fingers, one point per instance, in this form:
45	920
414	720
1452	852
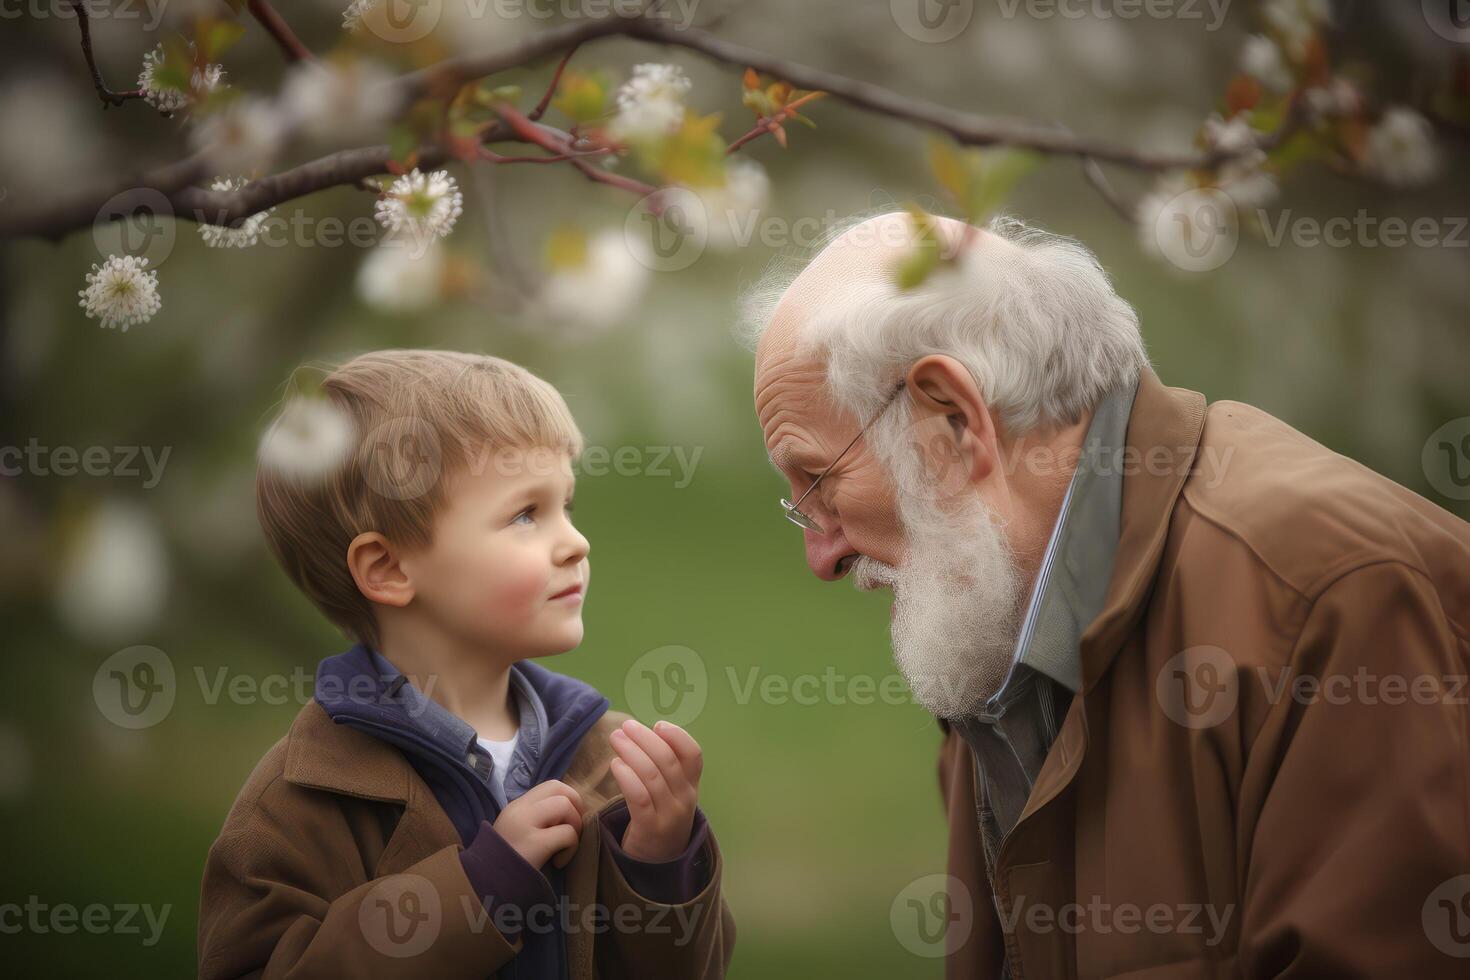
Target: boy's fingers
659	751
642	765
557	810
633	789
691	756
551	788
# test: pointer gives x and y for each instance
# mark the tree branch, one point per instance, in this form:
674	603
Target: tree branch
109	98
277	28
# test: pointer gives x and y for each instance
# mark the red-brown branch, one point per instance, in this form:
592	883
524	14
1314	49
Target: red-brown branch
277	28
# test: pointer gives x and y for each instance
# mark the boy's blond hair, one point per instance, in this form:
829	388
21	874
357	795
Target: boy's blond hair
417	417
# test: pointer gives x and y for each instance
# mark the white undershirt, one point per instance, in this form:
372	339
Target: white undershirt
500	753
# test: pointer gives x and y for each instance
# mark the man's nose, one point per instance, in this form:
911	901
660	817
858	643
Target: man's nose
824	551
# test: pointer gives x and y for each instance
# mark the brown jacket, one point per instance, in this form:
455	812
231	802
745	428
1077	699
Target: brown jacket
1266	772
337	861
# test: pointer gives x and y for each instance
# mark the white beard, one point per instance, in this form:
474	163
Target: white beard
957	603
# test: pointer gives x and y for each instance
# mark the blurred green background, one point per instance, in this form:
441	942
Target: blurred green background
825	811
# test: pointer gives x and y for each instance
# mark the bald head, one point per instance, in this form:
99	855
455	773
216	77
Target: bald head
864	254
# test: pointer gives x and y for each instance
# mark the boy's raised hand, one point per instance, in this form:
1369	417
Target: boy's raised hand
658	771
545	820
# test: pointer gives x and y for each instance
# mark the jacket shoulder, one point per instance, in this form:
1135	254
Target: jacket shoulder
1311	515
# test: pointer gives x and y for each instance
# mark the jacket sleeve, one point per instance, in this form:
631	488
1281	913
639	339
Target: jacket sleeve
1367	816
273	905
649	939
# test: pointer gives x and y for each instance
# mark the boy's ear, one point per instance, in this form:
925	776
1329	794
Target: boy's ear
376	570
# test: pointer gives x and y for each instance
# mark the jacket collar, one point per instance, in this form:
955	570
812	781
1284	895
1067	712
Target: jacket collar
1164	431
340	759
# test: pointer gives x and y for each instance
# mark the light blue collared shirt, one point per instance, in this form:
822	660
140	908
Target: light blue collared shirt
1011	736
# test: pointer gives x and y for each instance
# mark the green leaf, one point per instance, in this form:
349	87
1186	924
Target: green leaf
1000	171
582	97
916	267
214	37
403	142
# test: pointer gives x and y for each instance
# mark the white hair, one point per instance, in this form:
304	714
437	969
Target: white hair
1031	314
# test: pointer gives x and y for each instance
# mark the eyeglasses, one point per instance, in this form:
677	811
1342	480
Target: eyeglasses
794	515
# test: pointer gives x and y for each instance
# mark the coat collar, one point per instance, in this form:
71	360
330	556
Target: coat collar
340	759
1164	431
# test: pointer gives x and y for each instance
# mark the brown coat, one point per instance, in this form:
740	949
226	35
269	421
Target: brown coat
1267	770
335	832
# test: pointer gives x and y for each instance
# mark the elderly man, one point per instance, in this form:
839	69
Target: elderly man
1201	680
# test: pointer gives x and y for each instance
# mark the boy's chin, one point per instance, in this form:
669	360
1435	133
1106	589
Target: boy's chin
563	641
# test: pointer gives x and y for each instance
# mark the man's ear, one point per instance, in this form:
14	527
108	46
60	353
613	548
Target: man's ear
943	389
377	571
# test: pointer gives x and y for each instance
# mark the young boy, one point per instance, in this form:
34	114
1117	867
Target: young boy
444	807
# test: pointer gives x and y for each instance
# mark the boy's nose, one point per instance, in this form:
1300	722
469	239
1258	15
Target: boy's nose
824	552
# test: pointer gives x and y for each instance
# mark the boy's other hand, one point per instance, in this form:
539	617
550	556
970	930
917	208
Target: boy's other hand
658	771
545	820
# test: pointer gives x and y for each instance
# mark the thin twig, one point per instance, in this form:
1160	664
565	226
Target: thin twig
541	106
109	98
276	27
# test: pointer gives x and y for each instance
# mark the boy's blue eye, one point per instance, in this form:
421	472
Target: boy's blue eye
526	514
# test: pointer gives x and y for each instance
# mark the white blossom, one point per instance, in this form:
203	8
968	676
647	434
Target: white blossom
248	232
1262	60
337	104
1195	228
1338	98
603	290
114	578
421	206
651	103
1296	22
169	98
399	278
244	137
308	441
730	211
1402	150
352	16
1241	175
121	292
